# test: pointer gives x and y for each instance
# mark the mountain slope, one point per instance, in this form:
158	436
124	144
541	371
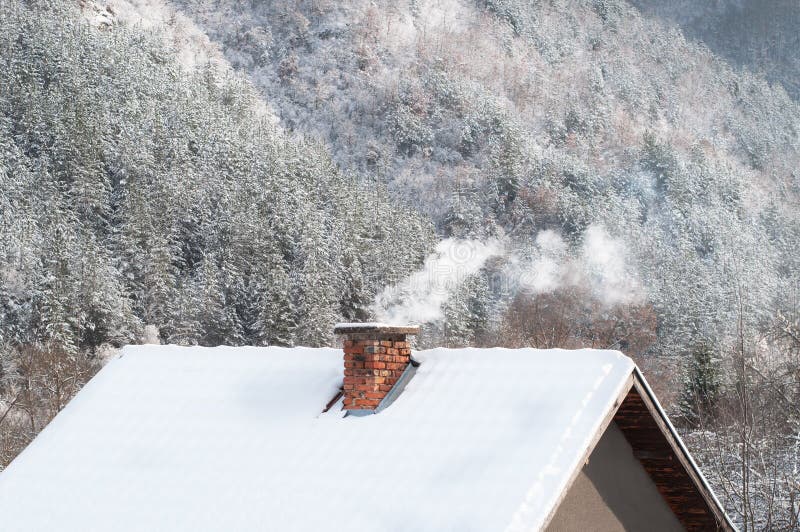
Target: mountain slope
760	35
509	118
144	200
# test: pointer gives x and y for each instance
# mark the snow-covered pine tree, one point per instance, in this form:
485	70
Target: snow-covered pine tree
702	386
317	297
276	323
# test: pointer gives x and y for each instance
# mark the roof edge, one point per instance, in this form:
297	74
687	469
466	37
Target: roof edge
638	383
622	392
680	449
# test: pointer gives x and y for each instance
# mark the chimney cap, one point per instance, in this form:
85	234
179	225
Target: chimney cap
374	327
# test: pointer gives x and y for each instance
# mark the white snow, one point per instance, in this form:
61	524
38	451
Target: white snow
174	438
361	325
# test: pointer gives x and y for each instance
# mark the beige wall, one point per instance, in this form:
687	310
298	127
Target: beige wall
613	493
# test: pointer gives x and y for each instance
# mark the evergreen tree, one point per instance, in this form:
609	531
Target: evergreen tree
355	299
456	331
316	303
106	314
276	324
702	386
59	316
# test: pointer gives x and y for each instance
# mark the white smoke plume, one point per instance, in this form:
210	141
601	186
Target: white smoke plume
605	263
421	297
545	271
600	263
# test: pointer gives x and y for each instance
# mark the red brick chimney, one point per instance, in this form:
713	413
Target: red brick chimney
376	359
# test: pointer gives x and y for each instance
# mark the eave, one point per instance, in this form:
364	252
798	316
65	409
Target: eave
662	454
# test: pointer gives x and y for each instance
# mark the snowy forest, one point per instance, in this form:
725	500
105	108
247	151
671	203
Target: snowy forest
557	173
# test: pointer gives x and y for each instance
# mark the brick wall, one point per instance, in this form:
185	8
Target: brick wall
373	362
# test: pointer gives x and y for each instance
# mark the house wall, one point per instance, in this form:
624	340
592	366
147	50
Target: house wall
613	493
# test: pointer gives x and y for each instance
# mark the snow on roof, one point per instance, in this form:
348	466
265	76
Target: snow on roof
374	326
175	438
362	325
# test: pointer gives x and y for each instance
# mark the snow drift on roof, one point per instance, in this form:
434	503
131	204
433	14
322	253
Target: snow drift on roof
173	438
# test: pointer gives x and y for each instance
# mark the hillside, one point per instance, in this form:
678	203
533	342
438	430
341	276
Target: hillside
500	119
759	35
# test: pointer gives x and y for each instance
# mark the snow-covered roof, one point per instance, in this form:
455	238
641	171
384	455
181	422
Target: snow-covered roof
373	326
174	438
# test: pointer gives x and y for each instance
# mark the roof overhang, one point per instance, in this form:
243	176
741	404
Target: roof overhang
663	455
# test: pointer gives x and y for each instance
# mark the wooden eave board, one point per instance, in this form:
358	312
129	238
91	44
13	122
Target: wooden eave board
658	448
